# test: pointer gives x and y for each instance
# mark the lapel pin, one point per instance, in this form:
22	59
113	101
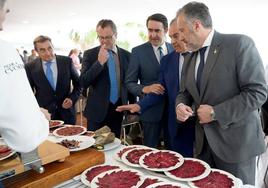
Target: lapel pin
215	51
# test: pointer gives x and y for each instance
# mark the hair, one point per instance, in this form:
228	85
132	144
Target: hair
196	10
159	18
107	23
2	3
40	39
172	21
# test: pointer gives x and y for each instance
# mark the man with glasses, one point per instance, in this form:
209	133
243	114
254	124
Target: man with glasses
145	67
104	70
50	76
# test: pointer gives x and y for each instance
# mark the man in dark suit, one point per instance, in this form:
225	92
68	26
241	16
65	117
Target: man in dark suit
180	136
225	82
100	65
50	77
144	66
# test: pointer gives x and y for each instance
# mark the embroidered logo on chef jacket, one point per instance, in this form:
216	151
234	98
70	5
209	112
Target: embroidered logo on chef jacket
13	67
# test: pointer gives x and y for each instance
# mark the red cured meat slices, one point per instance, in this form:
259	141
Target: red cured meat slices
97	170
167	186
189	169
70	131
161	160
125	150
119	179
134	155
215	180
148	181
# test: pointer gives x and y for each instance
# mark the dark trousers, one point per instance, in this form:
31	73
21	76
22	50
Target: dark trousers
68	118
112	119
151	133
244	170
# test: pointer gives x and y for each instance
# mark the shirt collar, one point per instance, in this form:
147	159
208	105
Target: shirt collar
209	38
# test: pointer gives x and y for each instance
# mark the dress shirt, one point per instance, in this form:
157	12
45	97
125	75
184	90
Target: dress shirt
54	70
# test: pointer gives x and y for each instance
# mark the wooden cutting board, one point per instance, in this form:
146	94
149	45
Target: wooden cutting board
56	173
48	152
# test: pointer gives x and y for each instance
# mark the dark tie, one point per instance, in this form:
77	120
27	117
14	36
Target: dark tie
113	81
49	74
200	67
160	49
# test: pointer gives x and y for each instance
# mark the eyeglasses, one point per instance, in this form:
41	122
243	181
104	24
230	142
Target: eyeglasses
105	38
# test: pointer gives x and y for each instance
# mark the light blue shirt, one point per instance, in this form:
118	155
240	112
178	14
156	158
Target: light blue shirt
54	68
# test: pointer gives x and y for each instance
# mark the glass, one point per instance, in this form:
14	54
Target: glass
105	38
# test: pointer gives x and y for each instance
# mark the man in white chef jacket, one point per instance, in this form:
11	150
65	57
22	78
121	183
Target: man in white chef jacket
22	125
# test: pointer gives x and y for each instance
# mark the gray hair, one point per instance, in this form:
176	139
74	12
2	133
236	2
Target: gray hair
2	3
107	23
196	10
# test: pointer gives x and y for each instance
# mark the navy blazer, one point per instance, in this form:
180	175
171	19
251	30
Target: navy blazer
45	94
96	76
144	67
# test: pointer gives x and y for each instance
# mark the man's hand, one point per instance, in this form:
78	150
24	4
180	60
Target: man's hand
133	108
183	112
103	55
154	88
204	113
67	103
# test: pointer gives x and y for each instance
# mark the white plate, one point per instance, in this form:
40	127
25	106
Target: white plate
237	183
96	179
116	143
85	141
127	162
60	123
167	183
83	177
175	154
201	176
125	149
82	132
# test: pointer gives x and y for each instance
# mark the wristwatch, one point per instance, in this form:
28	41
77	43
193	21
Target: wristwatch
212	114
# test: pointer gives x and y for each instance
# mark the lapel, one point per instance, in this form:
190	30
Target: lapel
191	75
121	64
151	54
169	47
60	73
41	74
213	54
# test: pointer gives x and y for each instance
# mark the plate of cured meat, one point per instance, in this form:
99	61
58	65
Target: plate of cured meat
89	174
191	170
217	178
119	153
161	160
5	151
131	157
127	178
55	123
69	130
76	143
167	185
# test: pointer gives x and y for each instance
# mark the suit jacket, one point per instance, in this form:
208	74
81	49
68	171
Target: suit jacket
145	67
233	83
44	93
96	76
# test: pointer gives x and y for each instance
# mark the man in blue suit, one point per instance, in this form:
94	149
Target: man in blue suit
144	66
181	136
50	76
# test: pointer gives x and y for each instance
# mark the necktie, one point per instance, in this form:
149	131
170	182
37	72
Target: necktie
113	81
200	67
49	74
160	49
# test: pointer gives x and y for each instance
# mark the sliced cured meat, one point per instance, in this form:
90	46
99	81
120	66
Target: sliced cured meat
93	172
163	160
118	178
149	181
69	131
216	179
4	149
191	170
55	123
134	155
167	185
122	151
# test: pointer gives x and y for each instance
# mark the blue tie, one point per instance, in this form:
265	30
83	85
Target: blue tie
200	67
49	74
160	53
113	80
